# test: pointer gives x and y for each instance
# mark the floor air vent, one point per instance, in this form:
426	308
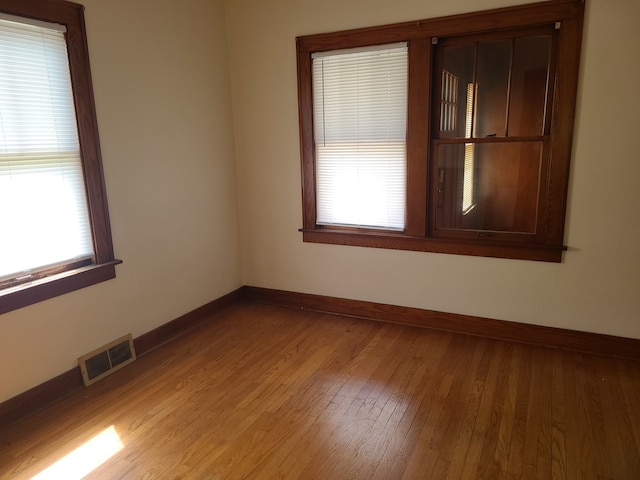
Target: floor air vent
106	359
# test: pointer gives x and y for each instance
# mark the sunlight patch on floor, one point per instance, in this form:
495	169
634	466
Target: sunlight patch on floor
84	459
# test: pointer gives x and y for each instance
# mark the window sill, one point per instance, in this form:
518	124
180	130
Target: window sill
397	241
45	288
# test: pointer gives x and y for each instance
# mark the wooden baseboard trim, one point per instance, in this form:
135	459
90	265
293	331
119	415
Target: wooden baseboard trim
551	337
69	382
40	396
173	329
63	385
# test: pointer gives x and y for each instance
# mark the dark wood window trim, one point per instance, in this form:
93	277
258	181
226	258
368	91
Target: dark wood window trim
102	266
547	244
52	286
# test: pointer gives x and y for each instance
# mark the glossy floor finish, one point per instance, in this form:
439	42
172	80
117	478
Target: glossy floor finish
265	392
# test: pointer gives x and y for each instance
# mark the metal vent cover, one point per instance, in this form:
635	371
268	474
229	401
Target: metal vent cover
107	359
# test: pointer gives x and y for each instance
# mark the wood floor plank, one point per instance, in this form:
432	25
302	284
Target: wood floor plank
495	453
617	423
442	425
460	452
405	424
628	388
581	460
354	425
516	463
543	461
593	389
481	435
267	392
558	421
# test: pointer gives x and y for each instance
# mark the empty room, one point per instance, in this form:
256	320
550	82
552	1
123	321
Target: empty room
294	239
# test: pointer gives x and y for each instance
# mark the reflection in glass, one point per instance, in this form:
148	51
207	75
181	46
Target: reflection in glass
449	102
511	82
469	156
492	77
505	184
458	63
529	86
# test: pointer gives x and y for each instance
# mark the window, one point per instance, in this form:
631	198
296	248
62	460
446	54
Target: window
479	166
360	117
55	229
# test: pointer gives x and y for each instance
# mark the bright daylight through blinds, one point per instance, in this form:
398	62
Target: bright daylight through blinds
360	110
43	210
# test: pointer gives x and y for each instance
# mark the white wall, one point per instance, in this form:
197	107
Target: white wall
161	82
595	289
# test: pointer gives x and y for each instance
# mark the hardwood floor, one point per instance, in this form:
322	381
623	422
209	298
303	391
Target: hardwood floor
266	392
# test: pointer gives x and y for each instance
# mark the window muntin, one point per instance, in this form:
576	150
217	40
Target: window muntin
563	18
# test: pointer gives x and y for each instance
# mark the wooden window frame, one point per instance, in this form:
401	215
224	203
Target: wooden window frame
48	284
419	228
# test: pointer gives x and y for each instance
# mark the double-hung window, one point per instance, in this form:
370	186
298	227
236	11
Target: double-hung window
54	230
448	135
360	118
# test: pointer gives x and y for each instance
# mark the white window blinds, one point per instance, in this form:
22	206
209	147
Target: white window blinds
360	117
43	210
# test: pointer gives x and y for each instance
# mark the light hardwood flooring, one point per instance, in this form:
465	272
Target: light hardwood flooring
266	392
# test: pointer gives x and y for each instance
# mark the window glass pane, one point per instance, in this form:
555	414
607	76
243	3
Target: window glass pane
43	210
457	79
503	189
494	62
529	85
360	114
